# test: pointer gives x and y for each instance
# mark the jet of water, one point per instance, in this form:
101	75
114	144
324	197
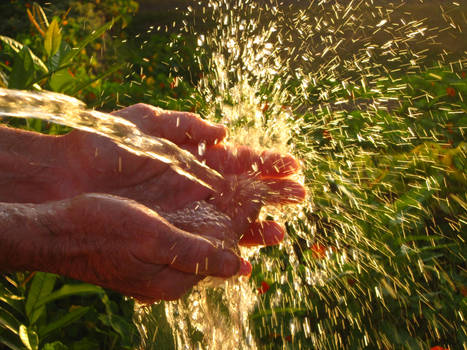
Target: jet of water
69	111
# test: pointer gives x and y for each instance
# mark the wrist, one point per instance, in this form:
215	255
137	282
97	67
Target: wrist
33	167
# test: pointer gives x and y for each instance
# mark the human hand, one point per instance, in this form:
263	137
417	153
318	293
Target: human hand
251	179
122	245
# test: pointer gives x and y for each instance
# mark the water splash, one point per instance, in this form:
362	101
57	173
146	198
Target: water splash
68	111
319	79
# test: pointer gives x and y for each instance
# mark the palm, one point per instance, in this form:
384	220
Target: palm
250	179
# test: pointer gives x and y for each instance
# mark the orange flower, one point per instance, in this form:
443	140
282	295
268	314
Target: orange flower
318	251
264	287
451	91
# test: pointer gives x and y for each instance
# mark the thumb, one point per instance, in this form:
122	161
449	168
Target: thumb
177	127
197	255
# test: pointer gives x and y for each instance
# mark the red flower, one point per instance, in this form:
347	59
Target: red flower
265	108
162	85
264	287
327	135
463	290
7	63
288	338
318	251
91	96
437	347
451	92
174	83
463	75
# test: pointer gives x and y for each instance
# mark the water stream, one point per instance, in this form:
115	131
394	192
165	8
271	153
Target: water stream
69	111
284	76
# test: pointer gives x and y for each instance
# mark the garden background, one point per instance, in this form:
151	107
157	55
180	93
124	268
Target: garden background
409	208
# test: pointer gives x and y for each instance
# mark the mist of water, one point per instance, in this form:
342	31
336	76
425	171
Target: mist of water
271	78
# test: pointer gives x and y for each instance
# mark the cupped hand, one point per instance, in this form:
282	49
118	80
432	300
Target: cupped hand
122	245
251	179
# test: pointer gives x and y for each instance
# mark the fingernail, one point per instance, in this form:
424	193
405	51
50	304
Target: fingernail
245	268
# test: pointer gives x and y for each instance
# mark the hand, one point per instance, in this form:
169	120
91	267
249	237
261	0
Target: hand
122	245
252	179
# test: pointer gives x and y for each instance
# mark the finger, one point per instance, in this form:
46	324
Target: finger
168	284
242	159
281	191
178	127
263	233
197	255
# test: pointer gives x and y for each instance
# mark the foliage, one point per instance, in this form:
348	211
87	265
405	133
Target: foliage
382	260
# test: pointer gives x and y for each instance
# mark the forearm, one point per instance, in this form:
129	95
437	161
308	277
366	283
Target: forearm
33	167
22	231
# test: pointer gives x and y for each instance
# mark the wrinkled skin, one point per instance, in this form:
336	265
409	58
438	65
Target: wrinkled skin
120	239
120	244
252	179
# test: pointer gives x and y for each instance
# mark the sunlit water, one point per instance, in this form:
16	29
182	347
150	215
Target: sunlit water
271	78
68	111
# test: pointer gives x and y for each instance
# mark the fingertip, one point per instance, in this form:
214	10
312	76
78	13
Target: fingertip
245	268
264	233
284	191
296	193
219	132
275	164
231	264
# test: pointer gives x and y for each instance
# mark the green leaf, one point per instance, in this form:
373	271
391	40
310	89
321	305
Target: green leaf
61	81
41	286
29	338
91	37
11	341
17	47
14	301
123	327
71	289
56	345
102	76
55	61
23	72
53	38
64	321
85	344
8	321
3	80
34	124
